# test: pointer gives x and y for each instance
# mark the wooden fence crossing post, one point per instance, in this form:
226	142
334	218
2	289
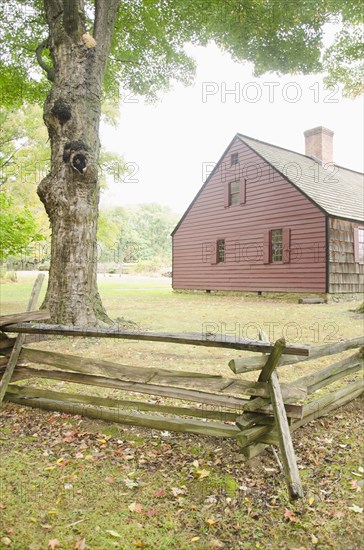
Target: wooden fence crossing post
15	352
269	375
284	435
285	441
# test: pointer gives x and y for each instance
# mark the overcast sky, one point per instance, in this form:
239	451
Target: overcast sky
171	146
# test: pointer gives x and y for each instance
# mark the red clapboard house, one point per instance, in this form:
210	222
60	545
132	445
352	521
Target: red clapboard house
270	219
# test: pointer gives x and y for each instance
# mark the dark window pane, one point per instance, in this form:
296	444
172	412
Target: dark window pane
234	193
234	158
220	251
276	245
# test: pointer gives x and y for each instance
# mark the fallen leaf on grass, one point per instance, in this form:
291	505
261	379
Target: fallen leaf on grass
337	513
80	544
203	473
110	480
355	508
216	544
177	492
355	484
151	512
114	534
289	516
54	543
69	436
2	506
139	544
314	539
135	507
6	541
195	539
160	493
211	521
131	483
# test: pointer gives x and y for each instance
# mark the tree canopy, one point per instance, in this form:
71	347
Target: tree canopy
148	44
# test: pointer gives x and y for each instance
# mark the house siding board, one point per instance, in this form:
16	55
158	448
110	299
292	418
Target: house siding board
346	275
271	202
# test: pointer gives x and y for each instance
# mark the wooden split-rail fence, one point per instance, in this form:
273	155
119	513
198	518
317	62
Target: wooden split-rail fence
255	413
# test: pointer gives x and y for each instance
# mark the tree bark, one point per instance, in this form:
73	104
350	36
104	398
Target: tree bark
70	192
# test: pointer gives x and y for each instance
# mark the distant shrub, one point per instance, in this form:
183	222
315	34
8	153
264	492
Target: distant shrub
145	267
8	276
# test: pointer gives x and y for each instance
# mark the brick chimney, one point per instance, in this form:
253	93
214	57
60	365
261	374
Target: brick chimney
319	144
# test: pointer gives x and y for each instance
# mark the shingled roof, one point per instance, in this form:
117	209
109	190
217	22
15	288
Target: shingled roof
339	191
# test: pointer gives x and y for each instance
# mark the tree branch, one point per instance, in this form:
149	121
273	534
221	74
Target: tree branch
105	16
71	16
49	70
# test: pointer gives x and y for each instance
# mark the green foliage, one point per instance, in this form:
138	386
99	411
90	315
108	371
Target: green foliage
22	29
148	49
18	229
24	158
344	60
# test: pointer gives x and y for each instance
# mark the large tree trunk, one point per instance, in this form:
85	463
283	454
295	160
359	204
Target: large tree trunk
70	192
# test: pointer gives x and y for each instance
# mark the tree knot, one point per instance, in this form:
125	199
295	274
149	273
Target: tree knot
62	111
75	152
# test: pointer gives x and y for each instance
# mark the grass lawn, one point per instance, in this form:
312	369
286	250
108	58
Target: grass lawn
70	482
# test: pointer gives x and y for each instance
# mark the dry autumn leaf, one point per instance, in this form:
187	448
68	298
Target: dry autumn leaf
135	507
113	533
80	544
356	509
203	473
54	543
289	516
177	492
